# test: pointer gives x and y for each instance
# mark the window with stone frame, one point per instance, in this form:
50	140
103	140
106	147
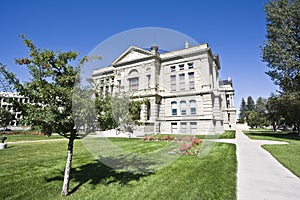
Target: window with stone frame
183	127
173	82
182	81
193	106
133	83
191	80
190	65
174	128
193	127
183	107
174	108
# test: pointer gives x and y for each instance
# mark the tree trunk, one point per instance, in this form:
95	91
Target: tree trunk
65	188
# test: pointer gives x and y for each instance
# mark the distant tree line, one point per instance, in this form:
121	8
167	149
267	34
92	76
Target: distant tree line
254	113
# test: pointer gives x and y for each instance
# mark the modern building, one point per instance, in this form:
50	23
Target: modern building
185	95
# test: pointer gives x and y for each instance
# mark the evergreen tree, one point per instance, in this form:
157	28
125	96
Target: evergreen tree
250	104
243	111
281	50
261	111
281	53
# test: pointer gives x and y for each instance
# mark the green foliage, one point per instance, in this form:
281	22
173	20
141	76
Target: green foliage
117	112
243	111
104	111
126	112
56	105
5	117
250	104
49	90
281	50
254	113
275	112
281	53
253	119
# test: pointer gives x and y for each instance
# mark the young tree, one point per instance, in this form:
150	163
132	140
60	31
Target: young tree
56	104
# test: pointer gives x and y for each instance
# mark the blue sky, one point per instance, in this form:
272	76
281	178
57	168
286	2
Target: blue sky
234	29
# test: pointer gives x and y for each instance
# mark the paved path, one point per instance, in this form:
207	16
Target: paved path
260	176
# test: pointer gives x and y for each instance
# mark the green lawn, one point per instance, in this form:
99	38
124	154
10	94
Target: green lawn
287	154
24	137
228	134
35	171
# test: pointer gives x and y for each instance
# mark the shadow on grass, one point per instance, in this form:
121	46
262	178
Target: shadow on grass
281	135
98	173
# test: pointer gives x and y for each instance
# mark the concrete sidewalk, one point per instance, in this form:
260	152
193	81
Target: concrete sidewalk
260	176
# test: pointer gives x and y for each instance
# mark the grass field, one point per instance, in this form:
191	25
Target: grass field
35	171
24	137
287	154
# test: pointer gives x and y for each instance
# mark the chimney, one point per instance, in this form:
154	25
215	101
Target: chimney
154	49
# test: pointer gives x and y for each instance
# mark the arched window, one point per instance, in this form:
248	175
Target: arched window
133	72
174	107
183	107
193	107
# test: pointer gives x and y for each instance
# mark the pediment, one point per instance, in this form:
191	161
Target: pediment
131	54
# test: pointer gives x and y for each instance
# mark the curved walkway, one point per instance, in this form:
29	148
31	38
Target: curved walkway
260	176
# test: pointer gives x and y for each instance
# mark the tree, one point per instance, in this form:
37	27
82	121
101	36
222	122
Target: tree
104	111
261	111
126	112
252	119
281	53
56	104
5	117
250	104
243	111
275	112
281	50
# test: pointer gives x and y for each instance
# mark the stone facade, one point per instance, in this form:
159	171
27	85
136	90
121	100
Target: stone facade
182	86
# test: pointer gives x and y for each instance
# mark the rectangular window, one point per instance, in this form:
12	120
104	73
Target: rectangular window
191	65
183	127
134	83
193	126
181	67
173	82
191	80
181	81
173	68
193	107
174	108
183	107
174	128
107	89
148	80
